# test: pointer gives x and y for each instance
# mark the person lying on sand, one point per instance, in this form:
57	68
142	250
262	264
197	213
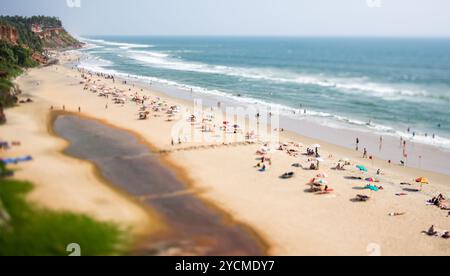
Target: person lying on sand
396	214
446	235
355	178
287	175
440	202
362	198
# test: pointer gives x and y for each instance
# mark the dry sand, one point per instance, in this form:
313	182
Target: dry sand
61	182
291	220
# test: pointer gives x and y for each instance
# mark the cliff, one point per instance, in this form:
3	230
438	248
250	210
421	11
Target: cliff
58	38
9	34
23	41
37	33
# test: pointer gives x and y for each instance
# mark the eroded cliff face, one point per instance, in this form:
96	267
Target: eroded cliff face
55	38
9	34
58	38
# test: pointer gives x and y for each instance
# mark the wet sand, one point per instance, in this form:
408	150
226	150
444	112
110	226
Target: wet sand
420	156
196	228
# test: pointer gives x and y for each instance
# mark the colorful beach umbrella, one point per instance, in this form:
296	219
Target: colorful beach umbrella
320	182
372	188
371	179
362	168
422	180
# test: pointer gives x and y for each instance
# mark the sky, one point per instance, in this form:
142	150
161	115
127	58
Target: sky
410	18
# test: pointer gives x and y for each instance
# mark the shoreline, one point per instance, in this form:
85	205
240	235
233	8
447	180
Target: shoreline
421	156
291	221
292	132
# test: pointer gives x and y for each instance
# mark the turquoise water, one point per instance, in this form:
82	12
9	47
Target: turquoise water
378	85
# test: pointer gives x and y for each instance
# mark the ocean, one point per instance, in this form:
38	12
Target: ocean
383	86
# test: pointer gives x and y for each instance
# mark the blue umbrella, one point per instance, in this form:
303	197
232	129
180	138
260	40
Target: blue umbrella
362	168
372	188
8	161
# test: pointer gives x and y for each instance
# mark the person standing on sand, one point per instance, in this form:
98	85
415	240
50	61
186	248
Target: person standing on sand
381	143
365	153
357	144
79	109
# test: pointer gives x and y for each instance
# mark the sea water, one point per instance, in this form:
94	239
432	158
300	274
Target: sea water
385	86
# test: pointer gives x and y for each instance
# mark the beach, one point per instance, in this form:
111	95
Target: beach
222	172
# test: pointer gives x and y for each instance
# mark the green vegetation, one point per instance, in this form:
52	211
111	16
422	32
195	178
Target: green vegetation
16	55
23	27
12	59
27	230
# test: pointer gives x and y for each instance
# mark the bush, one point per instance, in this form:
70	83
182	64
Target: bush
33	231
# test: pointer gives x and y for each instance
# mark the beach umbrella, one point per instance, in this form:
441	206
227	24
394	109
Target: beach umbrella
371	179
362	168
372	188
320	182
422	180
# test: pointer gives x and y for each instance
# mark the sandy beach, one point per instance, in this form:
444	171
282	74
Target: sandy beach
291	219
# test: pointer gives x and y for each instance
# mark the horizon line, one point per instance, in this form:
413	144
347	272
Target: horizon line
271	36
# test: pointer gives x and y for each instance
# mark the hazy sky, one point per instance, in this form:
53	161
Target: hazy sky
244	17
